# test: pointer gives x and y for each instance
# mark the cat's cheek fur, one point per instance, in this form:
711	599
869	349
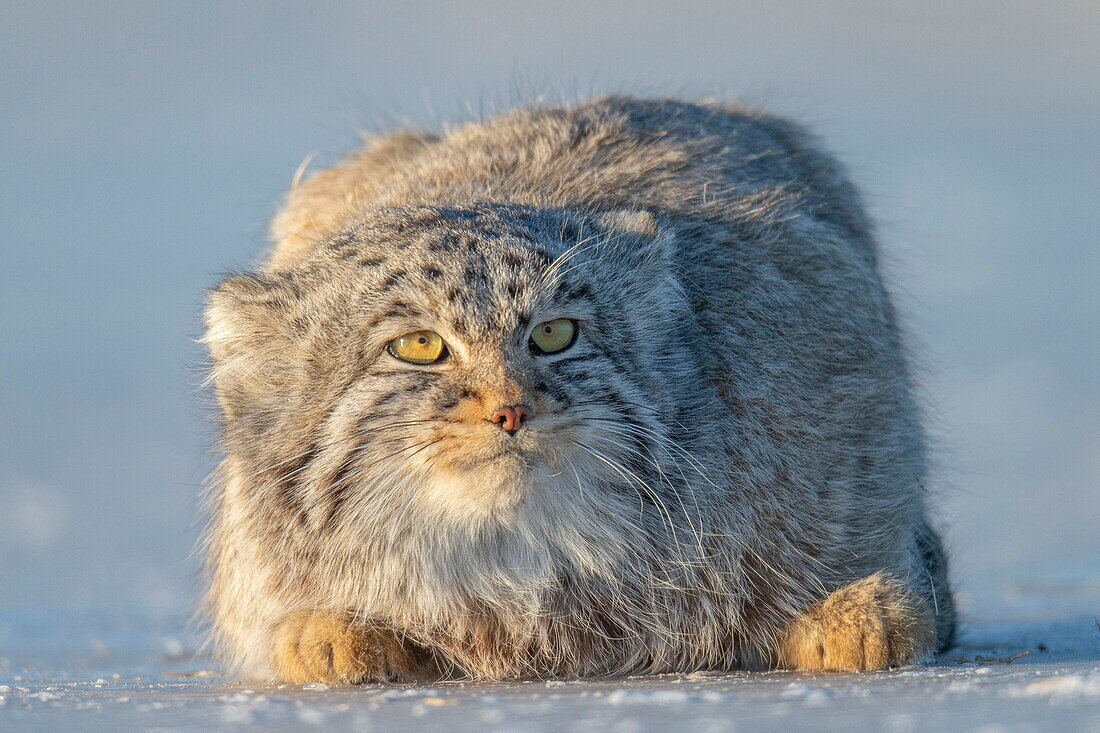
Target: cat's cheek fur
241	586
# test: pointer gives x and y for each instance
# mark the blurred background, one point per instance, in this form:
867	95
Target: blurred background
144	145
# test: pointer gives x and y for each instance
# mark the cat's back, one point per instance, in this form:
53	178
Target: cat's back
698	163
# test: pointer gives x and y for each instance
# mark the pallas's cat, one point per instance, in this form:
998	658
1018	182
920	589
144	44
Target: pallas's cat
603	389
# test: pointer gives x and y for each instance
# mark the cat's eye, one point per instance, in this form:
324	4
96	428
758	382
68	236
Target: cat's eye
419	347
550	337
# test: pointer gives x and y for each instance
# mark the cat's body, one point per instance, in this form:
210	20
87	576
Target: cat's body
723	471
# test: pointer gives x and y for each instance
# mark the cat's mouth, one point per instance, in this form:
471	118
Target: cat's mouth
512	455
473	456
489	459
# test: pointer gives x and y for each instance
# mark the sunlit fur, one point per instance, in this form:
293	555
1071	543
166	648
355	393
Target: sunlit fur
731	438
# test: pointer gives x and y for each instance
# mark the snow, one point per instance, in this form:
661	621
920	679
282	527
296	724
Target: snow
109	671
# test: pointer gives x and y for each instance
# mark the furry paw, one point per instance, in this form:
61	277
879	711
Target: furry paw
871	624
335	648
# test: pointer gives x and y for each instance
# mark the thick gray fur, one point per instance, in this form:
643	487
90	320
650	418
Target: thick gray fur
733	437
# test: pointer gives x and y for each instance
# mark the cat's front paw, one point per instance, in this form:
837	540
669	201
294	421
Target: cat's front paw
870	624
336	648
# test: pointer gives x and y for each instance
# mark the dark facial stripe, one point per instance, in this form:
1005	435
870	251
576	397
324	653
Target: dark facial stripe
578	359
554	390
339	486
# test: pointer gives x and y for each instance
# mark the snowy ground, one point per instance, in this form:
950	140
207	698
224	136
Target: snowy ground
103	671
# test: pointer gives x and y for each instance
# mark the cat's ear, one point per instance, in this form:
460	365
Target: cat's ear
640	237
637	223
249	335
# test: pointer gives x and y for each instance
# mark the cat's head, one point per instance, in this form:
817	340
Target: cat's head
467	361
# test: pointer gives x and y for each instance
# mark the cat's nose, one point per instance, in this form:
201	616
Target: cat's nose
510	418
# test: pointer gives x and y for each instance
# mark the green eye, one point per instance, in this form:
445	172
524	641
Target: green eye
550	337
419	347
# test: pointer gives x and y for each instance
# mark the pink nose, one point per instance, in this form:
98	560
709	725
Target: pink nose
510	418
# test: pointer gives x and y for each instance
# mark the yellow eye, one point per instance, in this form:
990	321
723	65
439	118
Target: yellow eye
419	347
553	336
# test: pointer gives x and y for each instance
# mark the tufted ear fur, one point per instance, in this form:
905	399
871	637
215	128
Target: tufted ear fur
640	224
252	347
639	238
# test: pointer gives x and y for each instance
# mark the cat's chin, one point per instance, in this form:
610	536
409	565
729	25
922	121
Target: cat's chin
492	488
